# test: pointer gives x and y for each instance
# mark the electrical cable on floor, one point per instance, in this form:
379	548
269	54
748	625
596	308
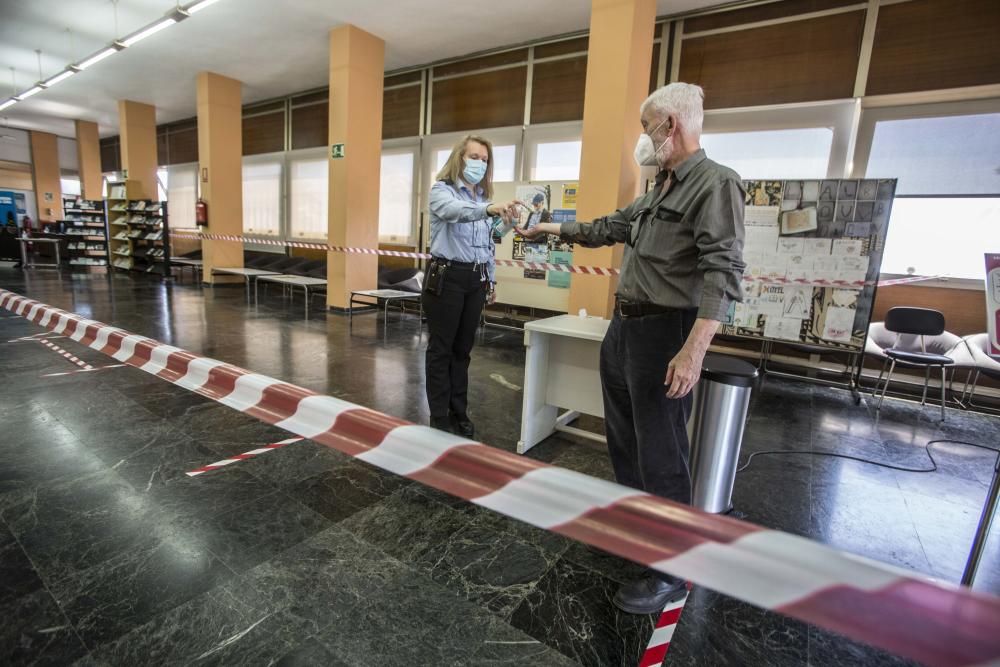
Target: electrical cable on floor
927	450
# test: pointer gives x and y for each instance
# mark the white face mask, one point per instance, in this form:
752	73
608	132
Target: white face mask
645	150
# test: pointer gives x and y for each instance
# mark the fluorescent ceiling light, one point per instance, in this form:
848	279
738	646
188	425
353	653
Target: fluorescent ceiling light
8	103
97	57
29	92
198	6
146	32
61	76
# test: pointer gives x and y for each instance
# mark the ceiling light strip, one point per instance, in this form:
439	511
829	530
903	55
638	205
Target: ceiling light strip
108	51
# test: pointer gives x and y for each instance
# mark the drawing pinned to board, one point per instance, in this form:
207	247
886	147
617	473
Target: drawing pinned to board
763	193
867	190
797	302
782	328
798	221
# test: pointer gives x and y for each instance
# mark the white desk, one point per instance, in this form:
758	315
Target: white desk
561	370
247	274
291	282
24	251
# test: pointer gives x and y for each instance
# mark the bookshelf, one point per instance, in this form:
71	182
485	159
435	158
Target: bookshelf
86	232
138	230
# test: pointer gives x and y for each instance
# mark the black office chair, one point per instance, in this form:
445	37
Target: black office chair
928	326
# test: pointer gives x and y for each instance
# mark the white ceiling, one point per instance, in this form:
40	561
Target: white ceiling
275	47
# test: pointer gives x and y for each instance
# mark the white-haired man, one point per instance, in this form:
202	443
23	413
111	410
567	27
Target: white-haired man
681	269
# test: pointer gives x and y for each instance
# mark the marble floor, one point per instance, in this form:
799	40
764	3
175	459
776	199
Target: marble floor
111	555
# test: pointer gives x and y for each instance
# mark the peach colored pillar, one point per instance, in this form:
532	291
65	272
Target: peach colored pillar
220	170
621	46
88	151
137	123
357	64
45	175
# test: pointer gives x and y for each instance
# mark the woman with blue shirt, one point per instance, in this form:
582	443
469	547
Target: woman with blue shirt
460	278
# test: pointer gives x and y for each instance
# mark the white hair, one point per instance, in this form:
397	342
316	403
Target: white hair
683	100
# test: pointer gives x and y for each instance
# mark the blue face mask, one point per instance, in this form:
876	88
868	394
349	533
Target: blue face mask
474	171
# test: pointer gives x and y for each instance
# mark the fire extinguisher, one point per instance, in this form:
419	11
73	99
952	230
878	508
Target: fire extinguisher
201	213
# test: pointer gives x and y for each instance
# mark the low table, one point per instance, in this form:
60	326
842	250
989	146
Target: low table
24	251
247	274
385	297
305	282
187	263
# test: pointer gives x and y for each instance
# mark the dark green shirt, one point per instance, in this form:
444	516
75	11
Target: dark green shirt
688	249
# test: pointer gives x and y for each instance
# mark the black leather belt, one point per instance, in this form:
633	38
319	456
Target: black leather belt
628	309
468	266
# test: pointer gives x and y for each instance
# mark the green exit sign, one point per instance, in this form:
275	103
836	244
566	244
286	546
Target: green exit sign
337	151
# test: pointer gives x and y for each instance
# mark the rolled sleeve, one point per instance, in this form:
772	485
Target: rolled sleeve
446	206
719	235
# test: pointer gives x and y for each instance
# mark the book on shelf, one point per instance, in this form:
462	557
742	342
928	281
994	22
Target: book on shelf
117	191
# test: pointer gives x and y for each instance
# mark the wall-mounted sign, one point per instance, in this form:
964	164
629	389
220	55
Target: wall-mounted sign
337	151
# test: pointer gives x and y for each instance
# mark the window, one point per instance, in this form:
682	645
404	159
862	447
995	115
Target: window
557	161
948	194
308	201
262	197
943	236
950	155
395	207
162	178
182	194
70	186
504	160
776	154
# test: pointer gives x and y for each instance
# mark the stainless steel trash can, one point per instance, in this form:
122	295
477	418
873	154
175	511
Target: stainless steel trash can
715	429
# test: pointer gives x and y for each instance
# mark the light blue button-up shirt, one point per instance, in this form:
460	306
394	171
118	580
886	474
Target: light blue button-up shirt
460	228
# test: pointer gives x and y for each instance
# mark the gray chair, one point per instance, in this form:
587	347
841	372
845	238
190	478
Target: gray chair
979	362
920	342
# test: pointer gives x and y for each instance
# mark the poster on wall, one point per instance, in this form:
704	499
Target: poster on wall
569	191
993	302
813	251
560	279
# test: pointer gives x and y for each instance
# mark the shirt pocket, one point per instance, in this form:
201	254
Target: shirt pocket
667	239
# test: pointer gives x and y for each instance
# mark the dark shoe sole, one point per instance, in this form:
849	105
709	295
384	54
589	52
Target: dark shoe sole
629	608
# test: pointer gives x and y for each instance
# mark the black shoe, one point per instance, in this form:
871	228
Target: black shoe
442	424
649	595
463	427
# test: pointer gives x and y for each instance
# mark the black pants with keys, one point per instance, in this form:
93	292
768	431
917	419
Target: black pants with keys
452	319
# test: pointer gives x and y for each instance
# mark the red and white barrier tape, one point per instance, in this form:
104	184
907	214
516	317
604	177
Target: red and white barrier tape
242	457
83	370
663	634
537	266
58	350
937	624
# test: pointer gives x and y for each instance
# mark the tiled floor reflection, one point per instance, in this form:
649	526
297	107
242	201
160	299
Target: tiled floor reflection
110	555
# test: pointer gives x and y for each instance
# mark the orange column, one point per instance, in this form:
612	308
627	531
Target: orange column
621	46
88	151
220	161
45	175
357	64
137	122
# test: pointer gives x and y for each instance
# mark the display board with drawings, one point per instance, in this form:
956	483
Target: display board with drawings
813	253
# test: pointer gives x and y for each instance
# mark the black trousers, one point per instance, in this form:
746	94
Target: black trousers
646	431
452	319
